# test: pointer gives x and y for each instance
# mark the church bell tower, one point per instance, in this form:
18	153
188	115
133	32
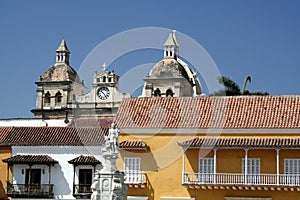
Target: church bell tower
58	87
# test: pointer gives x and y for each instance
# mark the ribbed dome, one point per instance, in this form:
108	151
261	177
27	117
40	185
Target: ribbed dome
168	68
61	72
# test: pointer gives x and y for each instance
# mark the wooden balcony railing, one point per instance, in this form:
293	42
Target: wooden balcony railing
135	177
30	191
82	190
241	179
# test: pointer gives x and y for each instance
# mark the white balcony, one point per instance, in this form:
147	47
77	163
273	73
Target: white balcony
234	179
135	178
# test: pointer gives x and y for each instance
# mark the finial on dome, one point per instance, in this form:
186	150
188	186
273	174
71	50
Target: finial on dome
62	53
63	47
171	49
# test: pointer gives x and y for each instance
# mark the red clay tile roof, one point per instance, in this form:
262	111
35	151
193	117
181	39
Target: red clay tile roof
243	112
54	136
30	159
133	144
92	122
3	132
243	142
86	160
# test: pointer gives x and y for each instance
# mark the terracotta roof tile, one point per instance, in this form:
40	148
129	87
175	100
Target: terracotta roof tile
244	112
134	144
243	142
87	160
54	136
92	122
3	132
33	159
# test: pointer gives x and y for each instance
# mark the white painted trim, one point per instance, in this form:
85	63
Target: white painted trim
137	198
177	198
248	198
213	131
277	165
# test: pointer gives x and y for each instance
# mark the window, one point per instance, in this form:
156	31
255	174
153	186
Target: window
206	170
85	180
103	79
33	177
47	99
157	92
58	97
169	93
292	171
253	169
132	169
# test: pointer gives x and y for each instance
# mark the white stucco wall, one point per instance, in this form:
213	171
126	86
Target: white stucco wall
61	173
32	122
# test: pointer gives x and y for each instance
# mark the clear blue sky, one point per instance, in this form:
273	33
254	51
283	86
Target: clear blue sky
257	38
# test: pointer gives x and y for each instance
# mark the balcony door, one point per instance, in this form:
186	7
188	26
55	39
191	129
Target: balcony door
33	177
85	180
292	171
132	169
206	170
253	170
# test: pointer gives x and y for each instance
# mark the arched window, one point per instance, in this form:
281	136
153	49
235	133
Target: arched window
103	79
47	99
58	97
169	93
157	92
167	53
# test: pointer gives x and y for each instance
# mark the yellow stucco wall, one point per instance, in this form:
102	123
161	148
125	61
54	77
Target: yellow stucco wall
4	153
163	167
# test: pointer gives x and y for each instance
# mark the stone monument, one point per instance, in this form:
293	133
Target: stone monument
109	182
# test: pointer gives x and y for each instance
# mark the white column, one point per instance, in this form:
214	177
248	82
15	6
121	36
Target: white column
183	165
246	164
215	164
277	165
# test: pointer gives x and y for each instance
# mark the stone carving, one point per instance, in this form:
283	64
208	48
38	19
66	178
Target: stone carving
111	140
109	183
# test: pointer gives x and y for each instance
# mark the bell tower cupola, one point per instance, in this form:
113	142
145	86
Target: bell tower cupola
62	53
171	47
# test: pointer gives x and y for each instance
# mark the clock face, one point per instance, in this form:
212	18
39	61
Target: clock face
103	93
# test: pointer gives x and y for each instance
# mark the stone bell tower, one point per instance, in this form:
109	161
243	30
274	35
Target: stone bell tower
109	182
58	87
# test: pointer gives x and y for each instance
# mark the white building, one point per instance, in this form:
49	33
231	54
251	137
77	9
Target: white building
53	162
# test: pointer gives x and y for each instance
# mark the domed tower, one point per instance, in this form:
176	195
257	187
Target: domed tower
58	87
171	77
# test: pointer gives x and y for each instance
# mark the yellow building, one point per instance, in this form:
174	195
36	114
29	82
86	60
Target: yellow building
5	151
232	148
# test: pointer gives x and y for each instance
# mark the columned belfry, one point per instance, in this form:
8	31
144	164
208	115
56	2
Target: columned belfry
171	47
58	87
62	53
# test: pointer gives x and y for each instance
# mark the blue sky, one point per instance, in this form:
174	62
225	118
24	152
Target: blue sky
257	38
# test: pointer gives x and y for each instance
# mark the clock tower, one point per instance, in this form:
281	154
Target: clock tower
104	98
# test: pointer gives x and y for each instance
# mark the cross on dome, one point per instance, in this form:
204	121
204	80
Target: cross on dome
104	66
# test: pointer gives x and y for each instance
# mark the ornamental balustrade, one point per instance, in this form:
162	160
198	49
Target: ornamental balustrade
242	179
30	190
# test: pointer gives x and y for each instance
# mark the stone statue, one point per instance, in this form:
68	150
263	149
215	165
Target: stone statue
112	140
108	183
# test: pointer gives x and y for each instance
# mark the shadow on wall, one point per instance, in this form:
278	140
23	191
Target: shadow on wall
148	162
2	190
61	185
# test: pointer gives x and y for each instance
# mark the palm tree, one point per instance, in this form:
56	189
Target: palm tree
231	88
247	79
